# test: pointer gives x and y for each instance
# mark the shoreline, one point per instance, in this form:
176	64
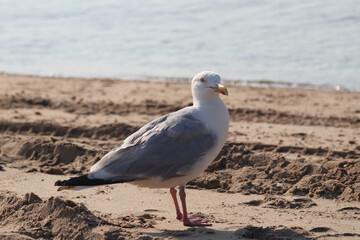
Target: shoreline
263	83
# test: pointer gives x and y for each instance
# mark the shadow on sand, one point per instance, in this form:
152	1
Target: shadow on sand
248	232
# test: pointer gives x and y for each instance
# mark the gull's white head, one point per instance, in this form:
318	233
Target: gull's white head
207	85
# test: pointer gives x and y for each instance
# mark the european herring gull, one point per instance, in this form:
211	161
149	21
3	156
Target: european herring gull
169	151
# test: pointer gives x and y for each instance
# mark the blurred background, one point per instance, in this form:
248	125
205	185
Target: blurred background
293	43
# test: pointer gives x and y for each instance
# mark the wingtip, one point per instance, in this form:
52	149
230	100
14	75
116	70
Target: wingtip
59	183
62	185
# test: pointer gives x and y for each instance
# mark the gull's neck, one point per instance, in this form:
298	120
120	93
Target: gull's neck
206	102
214	113
214	110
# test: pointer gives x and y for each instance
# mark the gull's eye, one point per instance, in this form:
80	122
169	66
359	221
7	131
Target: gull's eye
202	80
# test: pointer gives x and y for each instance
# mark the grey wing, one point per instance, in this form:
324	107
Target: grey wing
164	148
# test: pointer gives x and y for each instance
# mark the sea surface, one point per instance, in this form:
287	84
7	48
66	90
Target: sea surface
295	43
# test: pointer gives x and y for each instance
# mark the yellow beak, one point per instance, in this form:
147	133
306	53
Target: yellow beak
221	89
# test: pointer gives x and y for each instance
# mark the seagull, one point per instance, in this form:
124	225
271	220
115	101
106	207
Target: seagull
169	151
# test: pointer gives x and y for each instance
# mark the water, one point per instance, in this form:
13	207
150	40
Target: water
298	42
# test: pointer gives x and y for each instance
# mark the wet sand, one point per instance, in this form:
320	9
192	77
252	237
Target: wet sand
290	167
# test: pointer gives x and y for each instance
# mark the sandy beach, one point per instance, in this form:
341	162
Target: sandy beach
290	168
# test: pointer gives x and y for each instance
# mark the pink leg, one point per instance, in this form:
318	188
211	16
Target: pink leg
189	220
173	194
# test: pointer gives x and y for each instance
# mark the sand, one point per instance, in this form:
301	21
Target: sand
290	168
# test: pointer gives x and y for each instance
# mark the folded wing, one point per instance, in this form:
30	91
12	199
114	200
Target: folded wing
164	148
